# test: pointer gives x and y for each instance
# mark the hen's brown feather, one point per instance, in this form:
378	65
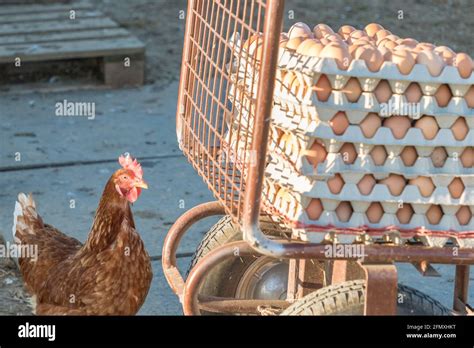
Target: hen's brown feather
109	275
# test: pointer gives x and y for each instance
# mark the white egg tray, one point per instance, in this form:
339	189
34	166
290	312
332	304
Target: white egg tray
283	173
309	66
309	69
363	163
291	206
383	136
313	66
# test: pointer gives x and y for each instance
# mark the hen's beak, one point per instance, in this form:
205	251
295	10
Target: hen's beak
141	184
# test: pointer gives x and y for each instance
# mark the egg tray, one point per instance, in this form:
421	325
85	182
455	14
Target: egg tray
364	164
312	128
278	170
290	60
305	102
297	148
295	217
291	208
311	66
309	69
286	118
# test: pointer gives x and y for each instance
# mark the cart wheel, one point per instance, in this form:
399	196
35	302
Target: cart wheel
348	298
243	277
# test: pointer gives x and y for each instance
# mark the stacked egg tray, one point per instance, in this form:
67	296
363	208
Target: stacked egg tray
300	119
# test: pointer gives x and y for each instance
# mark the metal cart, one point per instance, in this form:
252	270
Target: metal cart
202	122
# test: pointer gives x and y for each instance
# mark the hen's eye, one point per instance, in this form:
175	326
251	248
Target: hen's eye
124	177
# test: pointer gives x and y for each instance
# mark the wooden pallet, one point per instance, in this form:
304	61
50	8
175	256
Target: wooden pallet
44	33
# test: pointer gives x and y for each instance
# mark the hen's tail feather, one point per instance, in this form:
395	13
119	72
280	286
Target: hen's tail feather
25	218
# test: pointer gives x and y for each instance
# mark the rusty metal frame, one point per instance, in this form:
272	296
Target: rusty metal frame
243	202
379	274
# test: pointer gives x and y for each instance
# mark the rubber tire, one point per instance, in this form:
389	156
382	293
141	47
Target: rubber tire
348	298
224	278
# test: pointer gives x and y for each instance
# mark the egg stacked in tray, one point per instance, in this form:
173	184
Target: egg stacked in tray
372	135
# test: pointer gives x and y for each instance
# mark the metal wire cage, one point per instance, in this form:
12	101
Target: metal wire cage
222	144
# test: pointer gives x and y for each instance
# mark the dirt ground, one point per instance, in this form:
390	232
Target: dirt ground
159	24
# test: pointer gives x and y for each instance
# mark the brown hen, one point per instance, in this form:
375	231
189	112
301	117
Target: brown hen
109	274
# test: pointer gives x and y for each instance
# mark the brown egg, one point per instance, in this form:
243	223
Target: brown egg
390	45
374	212
357	34
399	125
443	95
305	45
425	46
383	92
464	215
460	129
288	80
300	29
352	90
379	155
339	53
433	62
366	184
404	60
469	97
371	56
379	35
371	123
395	184
323	88
324	41
313	49
317	154
386	53
467	157
293	44
322	30
413	93
439	156
404	214
358	46
344	211
314	209
345	31
250	40
282	46
434	214
335	38
464	64
456	188
339	123
412	43
429	127
348	153
425	185
446	54
372	29
336	183
409	156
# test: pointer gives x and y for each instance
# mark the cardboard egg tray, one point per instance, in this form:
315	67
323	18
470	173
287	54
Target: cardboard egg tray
291	207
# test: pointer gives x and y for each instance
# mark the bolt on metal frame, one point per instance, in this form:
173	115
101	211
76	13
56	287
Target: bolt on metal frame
205	119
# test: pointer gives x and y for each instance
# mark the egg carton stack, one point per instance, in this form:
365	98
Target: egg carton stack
372	135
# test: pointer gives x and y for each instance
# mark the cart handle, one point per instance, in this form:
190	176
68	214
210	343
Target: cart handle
173	238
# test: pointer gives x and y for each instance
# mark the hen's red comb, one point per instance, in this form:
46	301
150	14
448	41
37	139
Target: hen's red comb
128	162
